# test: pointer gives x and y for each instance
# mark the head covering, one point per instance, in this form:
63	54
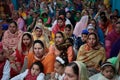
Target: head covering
82	24
21	47
60	60
85	31
90	26
83	74
115	61
107	64
1	47
38	25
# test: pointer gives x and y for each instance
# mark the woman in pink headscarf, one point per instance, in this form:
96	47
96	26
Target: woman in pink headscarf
82	24
11	36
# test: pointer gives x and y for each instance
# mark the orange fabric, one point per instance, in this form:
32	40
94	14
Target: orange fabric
106	28
47	61
70	52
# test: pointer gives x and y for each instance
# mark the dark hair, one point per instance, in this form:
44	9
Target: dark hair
106	64
94	21
41	19
44	14
117	11
39	64
40	42
14	23
60	18
68	26
59	32
68	12
104	19
70	40
118	22
74	67
102	14
96	37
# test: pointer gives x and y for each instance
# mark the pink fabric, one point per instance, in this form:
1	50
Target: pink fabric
57	28
11	40
49	20
21	24
109	41
82	24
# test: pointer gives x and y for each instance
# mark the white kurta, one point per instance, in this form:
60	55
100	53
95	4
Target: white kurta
24	74
6	71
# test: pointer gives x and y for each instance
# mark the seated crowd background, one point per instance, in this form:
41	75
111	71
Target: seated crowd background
59	40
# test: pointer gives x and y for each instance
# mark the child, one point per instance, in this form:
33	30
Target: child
82	39
116	62
108	72
90	28
59	67
4	65
35	73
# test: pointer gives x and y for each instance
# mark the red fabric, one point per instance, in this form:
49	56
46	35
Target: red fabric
30	77
58	28
13	73
2	63
20	57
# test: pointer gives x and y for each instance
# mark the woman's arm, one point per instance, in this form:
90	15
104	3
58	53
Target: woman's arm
20	76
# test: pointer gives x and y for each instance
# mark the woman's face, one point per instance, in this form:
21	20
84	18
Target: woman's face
12	28
93	23
60	23
38	32
35	70
67	31
59	39
38	50
26	40
91	40
69	74
15	15
117	28
68	15
78	15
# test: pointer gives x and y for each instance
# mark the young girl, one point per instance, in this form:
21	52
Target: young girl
4	65
108	72
34	73
59	66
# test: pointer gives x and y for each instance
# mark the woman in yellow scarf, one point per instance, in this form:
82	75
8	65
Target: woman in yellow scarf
92	54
